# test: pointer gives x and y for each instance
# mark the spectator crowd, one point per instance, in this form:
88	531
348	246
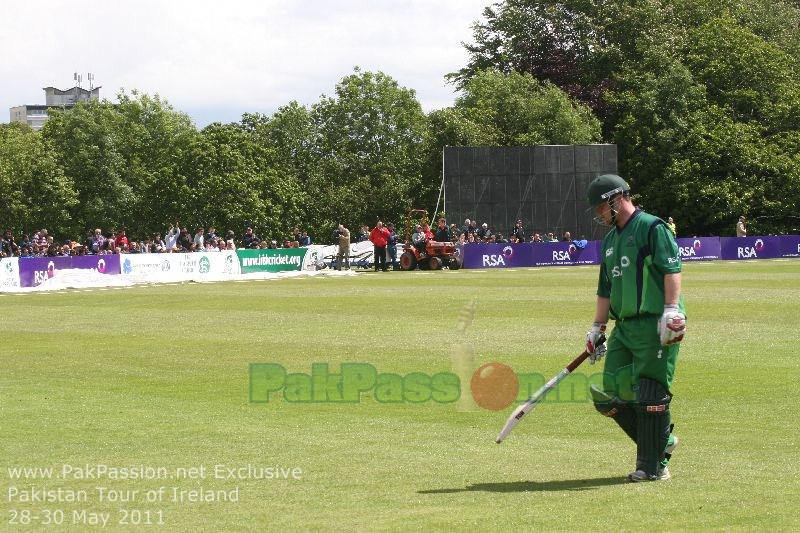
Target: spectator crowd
177	239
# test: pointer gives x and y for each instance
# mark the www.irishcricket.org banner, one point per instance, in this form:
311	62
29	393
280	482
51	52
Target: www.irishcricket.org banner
270	260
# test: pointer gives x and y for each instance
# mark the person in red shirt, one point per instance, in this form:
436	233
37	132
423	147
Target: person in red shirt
426	229
379	237
121	241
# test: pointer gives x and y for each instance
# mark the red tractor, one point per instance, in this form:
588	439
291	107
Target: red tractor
425	253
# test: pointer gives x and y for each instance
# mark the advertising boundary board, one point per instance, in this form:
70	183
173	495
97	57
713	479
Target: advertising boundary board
197	266
569	253
271	260
33	271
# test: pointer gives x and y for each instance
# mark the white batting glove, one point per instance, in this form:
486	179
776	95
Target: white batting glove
595	342
672	325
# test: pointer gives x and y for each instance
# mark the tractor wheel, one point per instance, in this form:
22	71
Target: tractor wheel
435	263
454	263
408	261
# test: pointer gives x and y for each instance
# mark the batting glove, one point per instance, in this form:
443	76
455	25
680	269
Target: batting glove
672	325
595	342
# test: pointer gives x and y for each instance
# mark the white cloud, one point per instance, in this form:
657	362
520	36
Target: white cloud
235	56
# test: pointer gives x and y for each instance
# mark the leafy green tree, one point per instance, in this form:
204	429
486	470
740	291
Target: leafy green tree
550	40
236	183
701	96
520	110
155	141
128	161
34	193
87	149
369	138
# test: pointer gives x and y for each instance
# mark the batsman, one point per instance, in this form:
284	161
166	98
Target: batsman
639	287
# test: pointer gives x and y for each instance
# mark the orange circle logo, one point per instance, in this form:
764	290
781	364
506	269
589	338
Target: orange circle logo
494	386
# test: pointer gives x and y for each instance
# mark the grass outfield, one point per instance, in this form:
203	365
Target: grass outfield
158	376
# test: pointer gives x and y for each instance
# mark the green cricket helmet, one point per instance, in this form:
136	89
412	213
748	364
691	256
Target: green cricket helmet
604	187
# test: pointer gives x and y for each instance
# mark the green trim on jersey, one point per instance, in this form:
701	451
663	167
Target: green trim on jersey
634	260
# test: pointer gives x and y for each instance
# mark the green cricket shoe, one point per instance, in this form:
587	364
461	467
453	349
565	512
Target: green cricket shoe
663	467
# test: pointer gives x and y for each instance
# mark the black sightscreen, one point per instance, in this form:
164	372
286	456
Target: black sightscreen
545	186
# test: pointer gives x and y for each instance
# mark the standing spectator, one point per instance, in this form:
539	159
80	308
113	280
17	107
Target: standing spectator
363	233
250	239
230	240
211	234
342	235
122	242
391	246
537	238
185	241
172	238
498	239
455	231
442	232
473	227
9	247
567	237
483	233
305	239
198	244
379	236
671	226
158	245
741	229
518	231
41	238
465	227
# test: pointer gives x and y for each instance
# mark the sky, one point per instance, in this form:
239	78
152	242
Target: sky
215	60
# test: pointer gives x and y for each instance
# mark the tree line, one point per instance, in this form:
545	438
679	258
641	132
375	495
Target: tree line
702	98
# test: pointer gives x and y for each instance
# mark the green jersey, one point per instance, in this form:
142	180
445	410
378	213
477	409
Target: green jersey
633	263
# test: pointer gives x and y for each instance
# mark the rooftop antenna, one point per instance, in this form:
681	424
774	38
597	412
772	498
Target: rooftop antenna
78	77
90	77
